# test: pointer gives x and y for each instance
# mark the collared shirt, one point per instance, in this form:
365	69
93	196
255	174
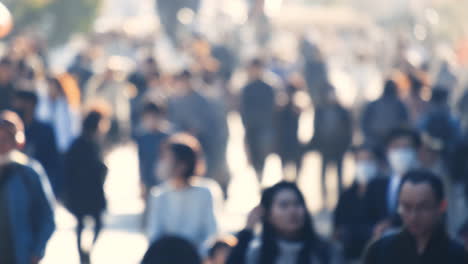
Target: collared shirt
393	190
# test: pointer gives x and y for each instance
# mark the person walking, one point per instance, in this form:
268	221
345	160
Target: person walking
26	199
85	173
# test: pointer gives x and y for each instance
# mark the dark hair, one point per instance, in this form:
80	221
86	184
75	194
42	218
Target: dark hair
184	75
390	88
91	123
269	249
28	96
257	62
55	81
185	154
403	132
216	247
171	250
425	177
153	108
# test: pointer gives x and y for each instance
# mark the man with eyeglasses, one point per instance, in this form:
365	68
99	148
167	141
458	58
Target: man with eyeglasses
423	238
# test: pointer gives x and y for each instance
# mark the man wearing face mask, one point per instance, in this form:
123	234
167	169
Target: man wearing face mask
351	227
402	146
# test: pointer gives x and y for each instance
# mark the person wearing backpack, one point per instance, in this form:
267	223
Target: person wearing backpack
26	211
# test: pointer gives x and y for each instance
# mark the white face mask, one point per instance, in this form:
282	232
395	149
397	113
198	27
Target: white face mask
163	170
365	171
402	160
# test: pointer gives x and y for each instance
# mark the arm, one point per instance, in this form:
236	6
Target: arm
239	252
211	227
42	210
153	229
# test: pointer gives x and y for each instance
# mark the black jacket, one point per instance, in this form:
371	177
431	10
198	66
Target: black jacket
352	223
401	248
85	174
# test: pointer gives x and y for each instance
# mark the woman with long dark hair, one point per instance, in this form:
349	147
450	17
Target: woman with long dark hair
288	235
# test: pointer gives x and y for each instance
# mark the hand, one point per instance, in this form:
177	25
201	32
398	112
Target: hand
35	260
254	217
381	228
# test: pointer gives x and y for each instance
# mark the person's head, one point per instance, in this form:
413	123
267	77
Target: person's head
390	89
152	115
367	163
6	70
24	104
171	250
11	132
95	124
402	146
285	217
150	66
180	158
183	81
421	202
220	250
255	69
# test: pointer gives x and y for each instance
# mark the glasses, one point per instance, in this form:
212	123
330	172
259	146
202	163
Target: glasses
416	209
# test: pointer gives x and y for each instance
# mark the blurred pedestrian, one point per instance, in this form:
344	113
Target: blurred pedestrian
384	115
423	239
112	87
60	109
85	173
7	87
178	207
40	137
150	142
288	235
257	111
171	249
26	209
192	112
333	136
288	145
416	105
351	225
402	146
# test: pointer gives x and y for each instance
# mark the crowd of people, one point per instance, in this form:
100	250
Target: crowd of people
407	203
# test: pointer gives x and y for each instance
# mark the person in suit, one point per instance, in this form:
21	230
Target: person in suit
350	223
423	238
382	196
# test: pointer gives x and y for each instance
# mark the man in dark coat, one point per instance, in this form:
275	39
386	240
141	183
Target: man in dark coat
40	137
257	112
332	137
384	115
423	238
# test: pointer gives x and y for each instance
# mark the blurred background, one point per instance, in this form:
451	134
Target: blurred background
361	43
